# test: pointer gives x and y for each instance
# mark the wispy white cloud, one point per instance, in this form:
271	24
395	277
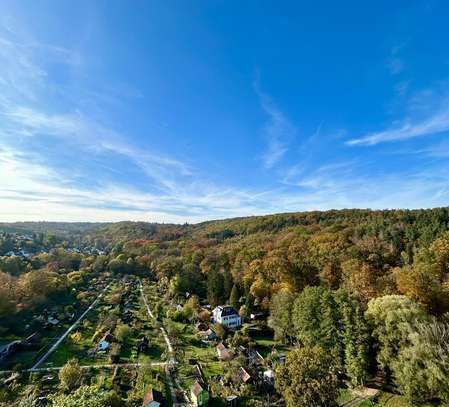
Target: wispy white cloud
34	192
435	150
436	123
34	185
278	131
26	94
47	195
78	129
348	185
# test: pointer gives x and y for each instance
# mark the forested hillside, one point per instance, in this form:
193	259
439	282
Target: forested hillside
366	292
372	253
369	287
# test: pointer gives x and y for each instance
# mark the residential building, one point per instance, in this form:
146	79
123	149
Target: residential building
223	352
209	335
199	394
232	401
227	315
103	346
245	377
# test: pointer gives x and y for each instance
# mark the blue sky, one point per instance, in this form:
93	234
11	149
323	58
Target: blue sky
176	111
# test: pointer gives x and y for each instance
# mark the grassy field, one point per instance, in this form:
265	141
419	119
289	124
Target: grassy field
150	328
198	352
393	400
265	345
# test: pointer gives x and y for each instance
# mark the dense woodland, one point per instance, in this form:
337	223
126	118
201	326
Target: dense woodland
363	293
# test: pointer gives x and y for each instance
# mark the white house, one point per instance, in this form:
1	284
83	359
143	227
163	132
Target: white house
228	316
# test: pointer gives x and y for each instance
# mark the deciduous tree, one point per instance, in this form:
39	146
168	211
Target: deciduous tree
307	378
422	368
392	319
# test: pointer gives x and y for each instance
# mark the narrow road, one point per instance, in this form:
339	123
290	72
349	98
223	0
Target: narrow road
64	335
96	366
171	355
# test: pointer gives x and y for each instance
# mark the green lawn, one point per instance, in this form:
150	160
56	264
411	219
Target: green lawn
392	400
265	345
149	330
344	396
197	352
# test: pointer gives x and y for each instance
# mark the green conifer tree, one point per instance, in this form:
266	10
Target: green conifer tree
235	297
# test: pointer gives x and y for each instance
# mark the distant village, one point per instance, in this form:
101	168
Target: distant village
25	245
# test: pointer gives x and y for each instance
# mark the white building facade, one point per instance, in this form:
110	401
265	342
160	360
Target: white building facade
227	315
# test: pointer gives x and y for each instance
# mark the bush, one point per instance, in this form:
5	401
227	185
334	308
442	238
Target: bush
76	337
123	332
70	375
96	336
114	354
86	396
221	331
178	316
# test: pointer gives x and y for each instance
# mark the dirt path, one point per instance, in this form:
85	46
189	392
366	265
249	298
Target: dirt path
87	367
70	329
172	381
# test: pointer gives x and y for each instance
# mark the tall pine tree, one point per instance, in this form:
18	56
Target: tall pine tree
234	299
215	288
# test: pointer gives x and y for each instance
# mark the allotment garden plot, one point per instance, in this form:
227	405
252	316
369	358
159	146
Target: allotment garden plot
117	331
40	329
